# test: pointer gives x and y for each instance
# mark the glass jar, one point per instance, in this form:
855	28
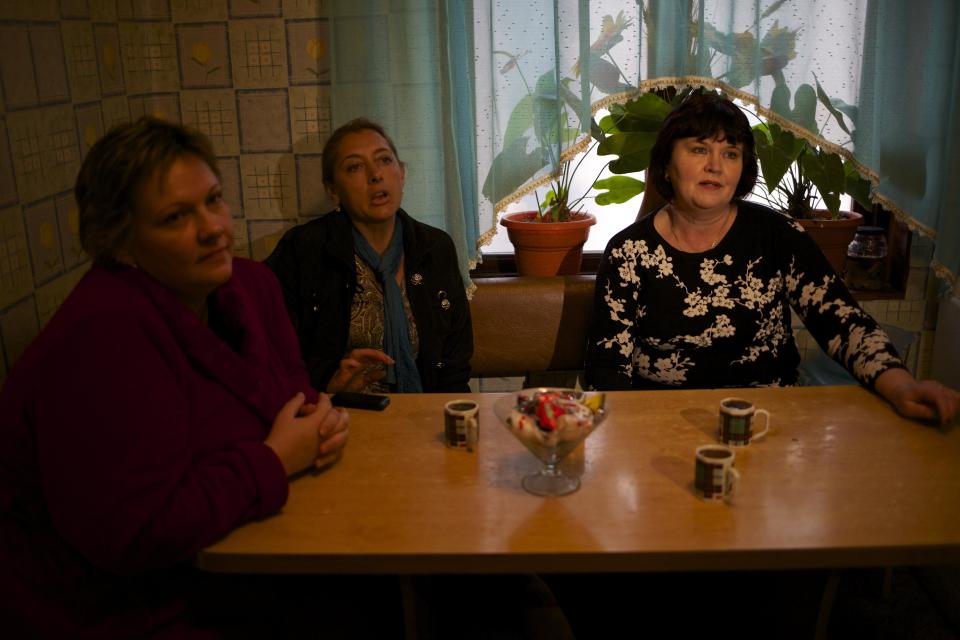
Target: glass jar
867	259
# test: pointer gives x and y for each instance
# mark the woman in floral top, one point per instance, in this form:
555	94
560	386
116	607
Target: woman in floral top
698	293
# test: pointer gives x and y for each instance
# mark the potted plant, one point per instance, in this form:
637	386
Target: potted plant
630	129
798	175
794	169
549	241
628	132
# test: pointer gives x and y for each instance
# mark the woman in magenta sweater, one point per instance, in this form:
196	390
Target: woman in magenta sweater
163	405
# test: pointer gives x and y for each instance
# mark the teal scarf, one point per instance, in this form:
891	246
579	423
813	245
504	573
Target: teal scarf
396	333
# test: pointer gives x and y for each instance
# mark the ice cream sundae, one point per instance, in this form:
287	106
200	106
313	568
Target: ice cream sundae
551	422
549	418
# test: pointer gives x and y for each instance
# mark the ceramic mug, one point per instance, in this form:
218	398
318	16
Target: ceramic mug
736	422
714	477
461	424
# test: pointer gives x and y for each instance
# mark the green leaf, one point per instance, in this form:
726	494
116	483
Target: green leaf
619	189
610	33
825	101
646	113
510	169
772	8
571	99
718	40
777	48
546	110
629	164
825	171
805	107
627	143
558	136
607	126
633	151
849	110
617	110
832	200
570	135
548	201
606	76
521	120
857	186
776	150
743	67
780	98
546	86
597	130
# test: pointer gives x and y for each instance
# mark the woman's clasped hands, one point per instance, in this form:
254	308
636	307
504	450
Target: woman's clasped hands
308	435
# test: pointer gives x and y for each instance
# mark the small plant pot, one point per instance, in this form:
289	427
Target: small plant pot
548	248
834	236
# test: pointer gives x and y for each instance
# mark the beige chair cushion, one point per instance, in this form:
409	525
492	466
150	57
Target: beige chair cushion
523	325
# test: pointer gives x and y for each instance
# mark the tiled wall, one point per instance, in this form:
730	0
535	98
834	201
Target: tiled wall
252	74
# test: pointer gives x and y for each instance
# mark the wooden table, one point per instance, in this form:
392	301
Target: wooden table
840	481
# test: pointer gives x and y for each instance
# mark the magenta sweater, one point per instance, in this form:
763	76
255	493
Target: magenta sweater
131	436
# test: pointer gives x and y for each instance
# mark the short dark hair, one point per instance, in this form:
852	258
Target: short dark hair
116	166
703	115
332	147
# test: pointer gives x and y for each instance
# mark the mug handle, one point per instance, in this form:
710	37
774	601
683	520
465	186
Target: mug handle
472	426
766	423
732	480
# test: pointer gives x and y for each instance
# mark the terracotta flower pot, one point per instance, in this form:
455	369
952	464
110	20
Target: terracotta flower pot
833	236
547	248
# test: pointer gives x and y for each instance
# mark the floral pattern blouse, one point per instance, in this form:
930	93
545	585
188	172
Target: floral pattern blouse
664	318
366	319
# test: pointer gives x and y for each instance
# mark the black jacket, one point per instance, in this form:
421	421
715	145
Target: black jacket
315	265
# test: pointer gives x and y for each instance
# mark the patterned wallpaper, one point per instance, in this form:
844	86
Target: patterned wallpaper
252	74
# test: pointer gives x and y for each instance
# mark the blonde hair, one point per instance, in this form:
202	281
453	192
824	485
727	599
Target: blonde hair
114	170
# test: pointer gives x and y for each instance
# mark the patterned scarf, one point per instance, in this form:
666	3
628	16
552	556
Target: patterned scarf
396	333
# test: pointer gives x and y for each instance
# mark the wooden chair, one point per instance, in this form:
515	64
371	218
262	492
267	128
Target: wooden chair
524	325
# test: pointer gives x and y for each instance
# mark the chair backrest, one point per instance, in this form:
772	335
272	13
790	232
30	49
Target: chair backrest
523	325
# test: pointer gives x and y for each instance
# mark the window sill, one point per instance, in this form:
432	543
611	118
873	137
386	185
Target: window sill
496	265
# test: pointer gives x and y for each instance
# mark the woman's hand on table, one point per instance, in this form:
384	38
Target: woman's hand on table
359	370
922	399
305	434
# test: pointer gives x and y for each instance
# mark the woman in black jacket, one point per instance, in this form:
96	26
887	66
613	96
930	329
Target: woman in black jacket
376	297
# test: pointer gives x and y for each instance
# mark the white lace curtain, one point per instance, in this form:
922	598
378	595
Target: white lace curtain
483	96
889	65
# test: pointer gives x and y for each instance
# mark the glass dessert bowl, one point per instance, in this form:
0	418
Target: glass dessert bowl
551	422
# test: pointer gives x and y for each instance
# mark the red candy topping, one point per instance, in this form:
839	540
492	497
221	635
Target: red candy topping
546	407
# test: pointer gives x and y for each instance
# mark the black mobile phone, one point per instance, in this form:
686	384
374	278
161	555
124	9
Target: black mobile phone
353	400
